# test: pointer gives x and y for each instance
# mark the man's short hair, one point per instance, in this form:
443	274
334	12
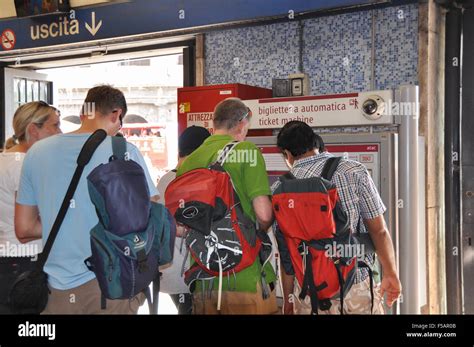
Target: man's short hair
104	99
298	138
229	112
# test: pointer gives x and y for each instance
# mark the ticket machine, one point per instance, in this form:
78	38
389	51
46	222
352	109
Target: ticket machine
380	130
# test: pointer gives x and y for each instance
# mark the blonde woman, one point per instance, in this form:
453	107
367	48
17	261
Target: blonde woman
32	122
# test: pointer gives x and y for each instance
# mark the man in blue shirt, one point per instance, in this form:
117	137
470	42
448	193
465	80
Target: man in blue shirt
46	174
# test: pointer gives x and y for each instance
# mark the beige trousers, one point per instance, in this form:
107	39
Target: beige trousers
86	299
235	303
357	301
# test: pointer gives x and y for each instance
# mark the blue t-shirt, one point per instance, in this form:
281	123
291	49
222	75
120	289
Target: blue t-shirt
47	171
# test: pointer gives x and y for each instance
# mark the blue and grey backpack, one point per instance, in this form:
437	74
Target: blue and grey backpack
134	236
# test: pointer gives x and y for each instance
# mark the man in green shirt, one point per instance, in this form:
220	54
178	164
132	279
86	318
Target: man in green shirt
242	294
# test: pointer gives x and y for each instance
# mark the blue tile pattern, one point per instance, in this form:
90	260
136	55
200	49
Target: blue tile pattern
396	46
252	55
336	51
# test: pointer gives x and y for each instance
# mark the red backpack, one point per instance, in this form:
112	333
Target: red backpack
315	227
220	238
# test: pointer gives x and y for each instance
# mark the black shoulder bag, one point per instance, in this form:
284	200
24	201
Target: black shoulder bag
29	293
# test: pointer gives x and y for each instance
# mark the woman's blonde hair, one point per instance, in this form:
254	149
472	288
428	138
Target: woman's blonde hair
36	112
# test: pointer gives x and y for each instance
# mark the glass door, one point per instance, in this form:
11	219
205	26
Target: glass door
20	87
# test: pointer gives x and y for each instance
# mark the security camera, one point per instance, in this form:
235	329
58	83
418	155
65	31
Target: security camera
373	107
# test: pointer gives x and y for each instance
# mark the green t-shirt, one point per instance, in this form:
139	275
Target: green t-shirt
246	167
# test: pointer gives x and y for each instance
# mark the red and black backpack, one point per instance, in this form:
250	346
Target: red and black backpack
316	229
221	238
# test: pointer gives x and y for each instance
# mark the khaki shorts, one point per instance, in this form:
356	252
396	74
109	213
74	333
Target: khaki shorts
235	303
86	299
357	301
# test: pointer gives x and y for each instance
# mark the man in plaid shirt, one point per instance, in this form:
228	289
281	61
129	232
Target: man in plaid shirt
305	155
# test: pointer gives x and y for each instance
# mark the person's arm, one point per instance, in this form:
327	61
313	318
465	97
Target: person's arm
27	218
384	248
257	186
372	210
263	211
27	223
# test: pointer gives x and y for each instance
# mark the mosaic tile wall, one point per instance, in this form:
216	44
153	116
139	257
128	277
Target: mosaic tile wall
336	51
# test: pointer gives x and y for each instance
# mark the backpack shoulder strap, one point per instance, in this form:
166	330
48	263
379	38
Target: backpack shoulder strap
119	147
224	154
283	180
330	167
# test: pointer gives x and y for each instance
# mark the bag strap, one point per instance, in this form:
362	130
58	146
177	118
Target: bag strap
363	264
309	287
330	167
156	293
225	152
83	159
283	179
119	147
